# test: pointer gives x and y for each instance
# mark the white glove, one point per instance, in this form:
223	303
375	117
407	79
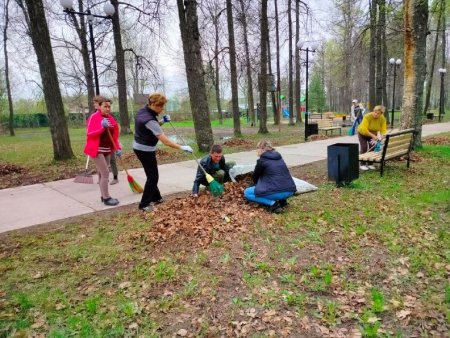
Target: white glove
379	137
187	149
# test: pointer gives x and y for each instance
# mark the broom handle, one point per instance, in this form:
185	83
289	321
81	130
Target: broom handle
87	164
114	149
182	139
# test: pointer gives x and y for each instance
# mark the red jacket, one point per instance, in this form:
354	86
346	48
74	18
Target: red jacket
93	131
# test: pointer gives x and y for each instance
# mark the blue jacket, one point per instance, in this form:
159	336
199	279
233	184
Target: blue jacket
272	175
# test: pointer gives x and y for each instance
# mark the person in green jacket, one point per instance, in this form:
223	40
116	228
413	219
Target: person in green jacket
370	131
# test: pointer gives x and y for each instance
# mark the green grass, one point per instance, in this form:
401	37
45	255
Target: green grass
351	258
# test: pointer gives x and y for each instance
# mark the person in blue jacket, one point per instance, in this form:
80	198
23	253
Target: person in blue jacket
215	165
273	182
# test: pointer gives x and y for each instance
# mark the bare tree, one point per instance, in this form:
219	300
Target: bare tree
440	14
278	63
251	101
121	77
415	16
38	30
7	82
297	94
233	70
291	68
190	36
373	56
263	78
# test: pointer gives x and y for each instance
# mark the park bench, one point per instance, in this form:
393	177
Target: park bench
327	125
395	145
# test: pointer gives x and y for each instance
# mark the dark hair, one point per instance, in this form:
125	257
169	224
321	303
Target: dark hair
216	148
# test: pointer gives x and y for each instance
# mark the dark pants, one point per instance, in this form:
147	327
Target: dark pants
151	192
364	143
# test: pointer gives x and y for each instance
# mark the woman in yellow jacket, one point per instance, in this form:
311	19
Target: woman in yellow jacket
371	129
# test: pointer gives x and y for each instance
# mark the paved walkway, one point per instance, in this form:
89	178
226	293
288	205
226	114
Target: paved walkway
26	206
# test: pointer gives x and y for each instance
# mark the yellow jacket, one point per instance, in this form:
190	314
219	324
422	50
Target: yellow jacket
369	123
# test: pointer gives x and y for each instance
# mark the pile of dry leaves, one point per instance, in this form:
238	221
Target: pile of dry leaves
238	142
198	221
437	140
318	137
7	169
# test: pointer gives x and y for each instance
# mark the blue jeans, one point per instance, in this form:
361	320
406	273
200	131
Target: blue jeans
268	200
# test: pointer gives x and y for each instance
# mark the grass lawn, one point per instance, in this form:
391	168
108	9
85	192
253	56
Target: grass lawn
370	259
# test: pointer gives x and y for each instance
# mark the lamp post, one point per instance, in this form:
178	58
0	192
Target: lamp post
442	71
109	10
394	63
311	48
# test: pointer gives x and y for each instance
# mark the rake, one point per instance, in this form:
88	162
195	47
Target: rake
85	177
215	187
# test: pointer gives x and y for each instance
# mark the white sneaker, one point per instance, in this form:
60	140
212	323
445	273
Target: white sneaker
371	167
363	167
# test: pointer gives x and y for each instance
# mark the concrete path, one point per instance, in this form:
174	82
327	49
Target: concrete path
41	203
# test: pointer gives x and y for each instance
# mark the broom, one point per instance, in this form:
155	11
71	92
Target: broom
134	186
85	177
215	187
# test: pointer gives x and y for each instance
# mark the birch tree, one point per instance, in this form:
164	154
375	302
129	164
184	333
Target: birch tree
415	16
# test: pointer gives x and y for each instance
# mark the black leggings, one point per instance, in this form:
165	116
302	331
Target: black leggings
151	192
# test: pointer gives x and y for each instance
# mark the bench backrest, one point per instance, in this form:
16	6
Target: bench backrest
398	143
325	123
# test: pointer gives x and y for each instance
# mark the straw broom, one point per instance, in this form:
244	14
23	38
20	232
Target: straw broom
134	186
215	187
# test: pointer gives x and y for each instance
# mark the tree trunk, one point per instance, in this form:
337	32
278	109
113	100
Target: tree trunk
379	59
291	69
80	28
121	77
433	62
233	71
251	100
40	37
263	77
384	57
8	85
190	37
415	16
217	70
372	56
278	64
272	93
297	105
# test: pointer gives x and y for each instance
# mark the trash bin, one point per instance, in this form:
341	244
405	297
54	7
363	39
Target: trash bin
343	162
430	116
312	129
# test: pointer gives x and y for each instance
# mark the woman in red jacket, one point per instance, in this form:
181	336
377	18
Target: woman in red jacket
99	145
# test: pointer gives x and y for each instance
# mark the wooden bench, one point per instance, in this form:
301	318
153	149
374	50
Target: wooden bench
395	145
327	125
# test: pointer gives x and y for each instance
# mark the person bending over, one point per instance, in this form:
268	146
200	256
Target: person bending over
371	130
273	181
215	165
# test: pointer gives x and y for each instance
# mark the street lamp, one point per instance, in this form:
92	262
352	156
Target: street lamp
310	48
394	63
442	71
109	10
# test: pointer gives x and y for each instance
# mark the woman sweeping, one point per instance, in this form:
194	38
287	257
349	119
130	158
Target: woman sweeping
99	145
147	134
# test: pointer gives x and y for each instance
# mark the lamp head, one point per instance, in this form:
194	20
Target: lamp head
398	62
313	46
66	4
391	61
299	44
442	70
109	9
